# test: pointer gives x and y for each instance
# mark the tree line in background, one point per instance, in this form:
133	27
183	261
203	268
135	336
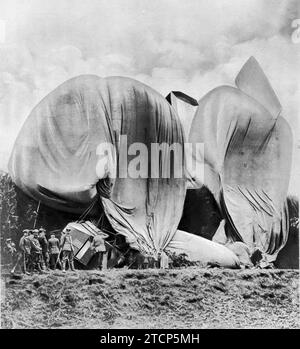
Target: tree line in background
15	214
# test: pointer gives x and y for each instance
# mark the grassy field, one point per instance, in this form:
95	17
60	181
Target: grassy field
177	298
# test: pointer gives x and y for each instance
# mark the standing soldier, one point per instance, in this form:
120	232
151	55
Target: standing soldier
10	249
98	245
28	240
54	251
44	244
36	251
27	248
24	255
67	248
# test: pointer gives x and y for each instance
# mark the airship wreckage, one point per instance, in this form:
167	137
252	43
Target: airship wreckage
231	206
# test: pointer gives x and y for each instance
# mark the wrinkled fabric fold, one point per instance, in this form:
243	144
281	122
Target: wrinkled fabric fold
54	158
247	162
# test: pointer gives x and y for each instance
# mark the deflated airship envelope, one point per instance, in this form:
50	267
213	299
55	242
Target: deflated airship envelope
247	156
55	156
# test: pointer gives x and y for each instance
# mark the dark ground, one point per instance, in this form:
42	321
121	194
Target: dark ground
181	298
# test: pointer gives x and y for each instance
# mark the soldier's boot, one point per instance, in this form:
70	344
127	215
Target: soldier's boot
24	268
39	268
43	265
47	266
58	263
72	266
63	266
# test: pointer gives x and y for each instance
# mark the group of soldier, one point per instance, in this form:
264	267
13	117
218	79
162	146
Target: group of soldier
37	253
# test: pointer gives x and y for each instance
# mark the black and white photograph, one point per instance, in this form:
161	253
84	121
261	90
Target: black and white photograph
149	166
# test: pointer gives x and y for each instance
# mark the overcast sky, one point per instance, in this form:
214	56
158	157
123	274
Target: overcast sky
190	45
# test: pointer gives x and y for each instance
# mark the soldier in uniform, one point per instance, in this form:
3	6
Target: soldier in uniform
10	246
10	249
44	244
36	251
29	239
53	243
98	245
25	248
67	248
